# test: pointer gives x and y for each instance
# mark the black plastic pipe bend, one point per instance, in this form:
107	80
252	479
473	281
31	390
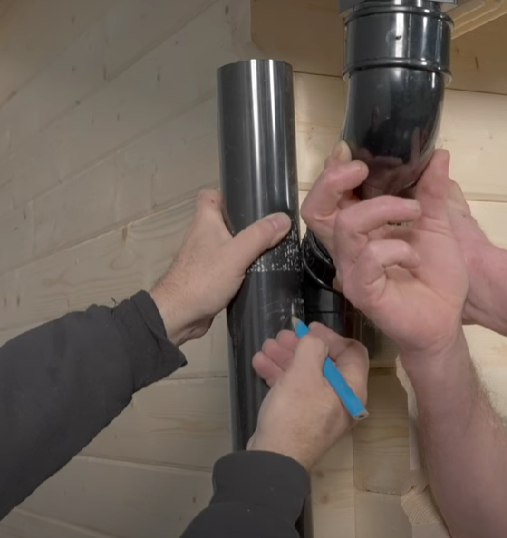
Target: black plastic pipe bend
397	66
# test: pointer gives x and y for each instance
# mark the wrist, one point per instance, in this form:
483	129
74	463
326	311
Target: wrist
260	444
443	377
180	328
488	294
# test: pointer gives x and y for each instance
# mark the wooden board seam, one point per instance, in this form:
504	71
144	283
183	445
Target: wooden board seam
58	523
178	203
45	66
145	466
141	134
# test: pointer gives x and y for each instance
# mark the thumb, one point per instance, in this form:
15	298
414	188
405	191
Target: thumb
341	154
310	355
457	198
252	242
433	189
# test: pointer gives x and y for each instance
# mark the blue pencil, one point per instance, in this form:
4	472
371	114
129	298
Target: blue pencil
350	401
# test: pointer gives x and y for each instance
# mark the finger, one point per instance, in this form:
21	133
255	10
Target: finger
252	242
288	340
310	356
457	198
433	188
328	190
279	354
378	256
266	369
210	214
367	217
335	343
354	364
341	154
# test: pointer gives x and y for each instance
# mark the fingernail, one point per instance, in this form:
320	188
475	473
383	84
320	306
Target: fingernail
281	222
338	149
413	205
354	166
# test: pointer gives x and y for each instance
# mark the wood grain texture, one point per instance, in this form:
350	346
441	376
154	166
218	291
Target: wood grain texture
476	61
33	33
127	32
333	492
169	424
172	79
306	33
120	499
23	524
313	42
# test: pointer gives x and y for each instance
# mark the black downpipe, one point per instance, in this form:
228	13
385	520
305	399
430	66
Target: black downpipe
397	65
257	138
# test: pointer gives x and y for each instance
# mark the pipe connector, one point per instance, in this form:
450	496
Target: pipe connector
397	67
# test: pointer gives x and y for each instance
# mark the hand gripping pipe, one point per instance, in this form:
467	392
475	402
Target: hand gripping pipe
397	66
258	177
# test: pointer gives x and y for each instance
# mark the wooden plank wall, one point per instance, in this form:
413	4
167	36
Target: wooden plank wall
107	132
385	493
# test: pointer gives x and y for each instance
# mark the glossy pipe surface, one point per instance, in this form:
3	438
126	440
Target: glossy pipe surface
397	65
258	177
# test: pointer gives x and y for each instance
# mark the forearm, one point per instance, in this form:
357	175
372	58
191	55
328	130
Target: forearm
62	383
257	495
464	443
487	300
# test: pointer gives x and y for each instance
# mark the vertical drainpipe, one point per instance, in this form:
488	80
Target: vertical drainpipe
258	177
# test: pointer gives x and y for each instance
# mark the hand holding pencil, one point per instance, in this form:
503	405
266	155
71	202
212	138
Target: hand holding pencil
302	417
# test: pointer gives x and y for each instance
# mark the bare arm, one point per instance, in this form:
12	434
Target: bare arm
487	300
464	442
486	264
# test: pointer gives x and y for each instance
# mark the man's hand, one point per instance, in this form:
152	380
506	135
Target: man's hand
210	268
486	263
411	281
302	417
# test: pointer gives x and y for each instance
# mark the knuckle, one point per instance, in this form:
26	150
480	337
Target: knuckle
270	346
314	344
372	251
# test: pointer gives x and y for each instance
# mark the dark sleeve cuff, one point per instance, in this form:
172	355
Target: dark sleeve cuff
262	479
152	356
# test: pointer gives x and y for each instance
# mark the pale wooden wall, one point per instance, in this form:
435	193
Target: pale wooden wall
381	490
107	131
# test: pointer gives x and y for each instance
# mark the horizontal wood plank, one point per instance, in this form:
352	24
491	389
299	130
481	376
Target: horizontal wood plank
170	80
169	424
33	33
313	40
23	524
119	39
476	60
122	499
169	164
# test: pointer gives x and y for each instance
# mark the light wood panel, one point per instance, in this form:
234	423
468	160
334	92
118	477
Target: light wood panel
477	60
476	14
333	492
170	80
169	424
32	33
23	524
307	34
313	40
120	499
132	181
121	38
